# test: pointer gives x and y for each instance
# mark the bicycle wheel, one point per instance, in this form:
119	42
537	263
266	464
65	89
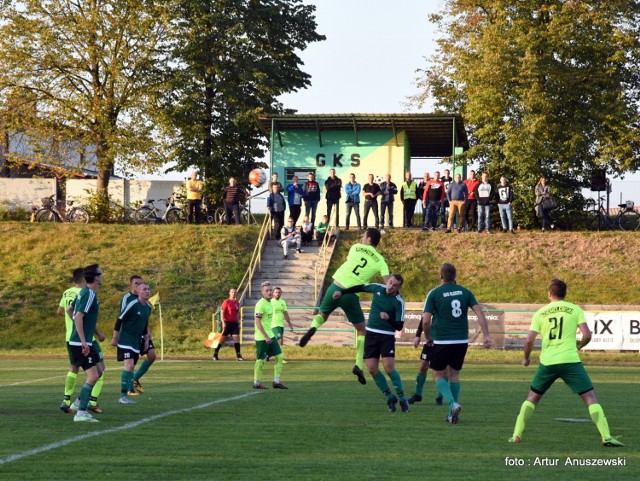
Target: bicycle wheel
78	214
144	215
175	216
46	215
629	220
219	216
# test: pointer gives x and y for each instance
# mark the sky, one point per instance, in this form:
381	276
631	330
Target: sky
368	64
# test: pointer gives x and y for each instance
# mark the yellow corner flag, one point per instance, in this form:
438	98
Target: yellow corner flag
153	300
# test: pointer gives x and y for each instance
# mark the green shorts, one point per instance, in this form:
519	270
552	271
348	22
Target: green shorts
265	351
349	303
278	332
573	374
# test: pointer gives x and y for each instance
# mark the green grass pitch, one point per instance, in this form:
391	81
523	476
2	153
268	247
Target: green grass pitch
200	420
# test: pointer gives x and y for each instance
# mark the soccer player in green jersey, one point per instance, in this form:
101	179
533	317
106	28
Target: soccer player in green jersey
133	328
421	377
83	353
362	264
446	327
150	352
266	344
385	318
66	302
557	323
280	314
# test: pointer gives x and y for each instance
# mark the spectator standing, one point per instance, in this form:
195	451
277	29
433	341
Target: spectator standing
471	204
422	186
194	198
352	189
311	196
408	196
388	191
232	196
432	200
371	193
274	181
504	195
333	186
276	205
543	191
290	235
294	198
484	195
446	179
457	194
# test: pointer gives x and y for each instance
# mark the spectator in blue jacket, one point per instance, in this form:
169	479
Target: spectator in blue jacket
295	193
352	189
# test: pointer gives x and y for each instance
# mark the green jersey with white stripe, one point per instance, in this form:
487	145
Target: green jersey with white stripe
449	304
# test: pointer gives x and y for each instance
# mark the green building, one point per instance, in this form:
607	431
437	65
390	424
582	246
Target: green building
361	144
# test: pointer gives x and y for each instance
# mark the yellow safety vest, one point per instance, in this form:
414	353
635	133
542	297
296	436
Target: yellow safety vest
409	191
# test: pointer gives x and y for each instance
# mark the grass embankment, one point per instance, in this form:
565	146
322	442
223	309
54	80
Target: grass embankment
193	267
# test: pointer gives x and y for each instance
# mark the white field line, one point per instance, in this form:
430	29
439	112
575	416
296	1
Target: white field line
64	442
32	380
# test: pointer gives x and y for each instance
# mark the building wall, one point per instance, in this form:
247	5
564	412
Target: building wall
377	152
24	193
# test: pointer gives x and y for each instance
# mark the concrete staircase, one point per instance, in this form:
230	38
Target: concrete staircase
295	276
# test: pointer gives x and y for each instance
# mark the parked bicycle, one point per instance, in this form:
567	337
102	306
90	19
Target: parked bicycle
599	219
246	217
51	213
150	214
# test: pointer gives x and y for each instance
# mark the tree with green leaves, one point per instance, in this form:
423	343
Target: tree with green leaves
546	87
232	60
89	71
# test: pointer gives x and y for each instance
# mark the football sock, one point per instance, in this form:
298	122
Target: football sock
599	419
126	379
317	321
236	346
217	350
142	370
439	396
97	389
526	411
70	384
396	380
445	390
257	370
455	390
360	352
420	380
382	384
85	394
278	365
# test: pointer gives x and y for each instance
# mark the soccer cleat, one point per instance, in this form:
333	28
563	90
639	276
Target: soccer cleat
404	406
132	393
299	251
382	231
439	401
66	408
415	398
74	407
285	362
259	386
391	403
611	442
84	417
514	439
137	386
126	400
307	336
94	408
215	357
455	412
358	372
279	385
239	358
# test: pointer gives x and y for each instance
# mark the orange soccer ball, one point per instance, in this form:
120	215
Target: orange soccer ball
257	177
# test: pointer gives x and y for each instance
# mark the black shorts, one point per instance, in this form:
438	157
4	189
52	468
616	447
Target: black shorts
85	362
427	353
124	354
231	328
378	345
448	355
144	351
